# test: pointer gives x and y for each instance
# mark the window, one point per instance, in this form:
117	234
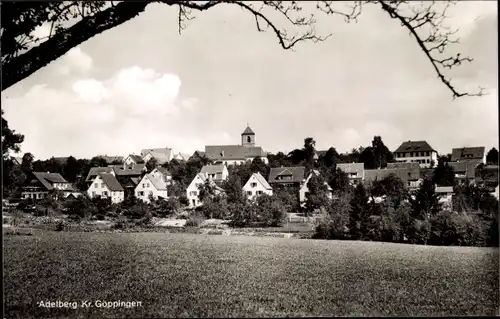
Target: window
102	185
427	153
93	194
143	185
141	193
259	192
105	193
147	185
253	184
249	193
150	193
40	195
427	161
194	193
249	139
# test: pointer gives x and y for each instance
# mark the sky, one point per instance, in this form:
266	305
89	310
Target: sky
144	85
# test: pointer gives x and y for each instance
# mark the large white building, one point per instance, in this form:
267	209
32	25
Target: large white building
236	154
416	152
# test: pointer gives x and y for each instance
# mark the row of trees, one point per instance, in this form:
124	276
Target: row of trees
418	218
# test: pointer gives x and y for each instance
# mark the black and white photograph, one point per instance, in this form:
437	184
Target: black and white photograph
249	159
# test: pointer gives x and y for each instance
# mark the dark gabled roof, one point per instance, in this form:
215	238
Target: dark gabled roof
47	179
351	167
414	146
111	181
136	170
94	171
412	168
233	152
163	170
377	174
248	131
297	172
200	153
212	169
469	169
137	158
467	153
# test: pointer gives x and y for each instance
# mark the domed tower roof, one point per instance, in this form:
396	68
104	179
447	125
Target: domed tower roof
248	131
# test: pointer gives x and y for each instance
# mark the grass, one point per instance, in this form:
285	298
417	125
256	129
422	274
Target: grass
185	275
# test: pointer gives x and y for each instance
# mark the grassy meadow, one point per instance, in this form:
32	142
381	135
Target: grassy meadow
188	275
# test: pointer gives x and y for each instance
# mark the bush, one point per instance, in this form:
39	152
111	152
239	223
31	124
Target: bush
458	229
194	220
215	207
269	210
60	226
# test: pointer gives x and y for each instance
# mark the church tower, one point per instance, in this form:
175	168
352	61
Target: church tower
248	137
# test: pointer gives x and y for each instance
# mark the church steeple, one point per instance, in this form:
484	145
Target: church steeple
248	137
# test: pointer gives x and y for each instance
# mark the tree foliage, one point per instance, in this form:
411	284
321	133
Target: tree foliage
492	157
11	141
443	174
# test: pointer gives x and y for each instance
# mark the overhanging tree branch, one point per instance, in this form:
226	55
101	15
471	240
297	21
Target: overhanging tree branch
59	44
437	40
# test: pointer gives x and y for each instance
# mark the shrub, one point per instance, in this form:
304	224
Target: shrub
242	214
458	229
215	207
194	220
269	210
60	226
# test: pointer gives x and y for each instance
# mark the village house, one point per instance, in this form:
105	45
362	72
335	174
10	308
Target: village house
257	185
474	155
413	169
216	173
465	172
161	155
193	190
355	172
304	189
416	152
162	173
372	175
198	154
286	176
39	184
181	157
236	154
133	159
106	186
152	185
94	171
445	194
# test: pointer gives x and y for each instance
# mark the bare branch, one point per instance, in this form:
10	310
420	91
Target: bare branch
326	7
438	39
29	62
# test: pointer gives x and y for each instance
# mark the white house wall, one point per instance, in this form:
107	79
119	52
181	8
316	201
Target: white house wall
252	190
431	158
145	188
192	192
99	188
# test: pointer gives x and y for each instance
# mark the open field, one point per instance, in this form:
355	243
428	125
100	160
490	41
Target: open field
185	275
